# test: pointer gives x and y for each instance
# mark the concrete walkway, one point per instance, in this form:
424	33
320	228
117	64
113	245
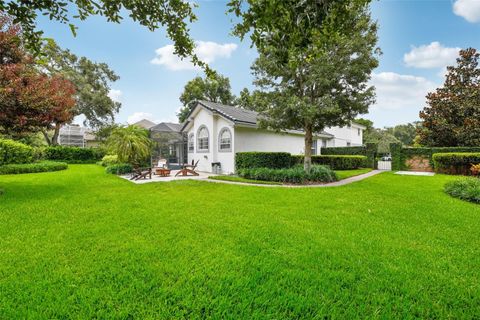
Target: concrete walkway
325	185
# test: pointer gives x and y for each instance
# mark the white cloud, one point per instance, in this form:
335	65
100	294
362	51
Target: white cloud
468	9
115	95
137	116
398	91
429	56
207	51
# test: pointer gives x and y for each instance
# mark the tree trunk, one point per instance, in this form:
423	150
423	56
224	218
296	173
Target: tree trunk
56	133
307	162
47	138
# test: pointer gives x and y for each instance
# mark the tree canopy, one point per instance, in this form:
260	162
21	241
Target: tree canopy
30	100
215	88
92	82
174	15
314	64
452	115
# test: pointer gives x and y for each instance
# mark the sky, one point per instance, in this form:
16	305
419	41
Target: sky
418	38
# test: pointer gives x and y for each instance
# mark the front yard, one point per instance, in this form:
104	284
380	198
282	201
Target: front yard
83	244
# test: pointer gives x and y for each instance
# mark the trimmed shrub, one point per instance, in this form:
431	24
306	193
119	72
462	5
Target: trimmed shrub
335	162
272	160
120	168
73	154
466	189
353	151
109	160
455	162
12	152
295	174
475	170
44	166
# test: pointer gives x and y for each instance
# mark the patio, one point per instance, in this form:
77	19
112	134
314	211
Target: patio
172	177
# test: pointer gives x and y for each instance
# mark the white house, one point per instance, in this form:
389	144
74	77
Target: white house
216	132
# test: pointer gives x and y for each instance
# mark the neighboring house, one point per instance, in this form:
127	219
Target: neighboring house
144	123
215	132
76	136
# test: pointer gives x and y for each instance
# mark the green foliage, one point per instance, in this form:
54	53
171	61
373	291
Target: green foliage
73	154
120	168
314	63
44	166
451	117
382	138
405	133
336	162
174	16
398	160
131	144
353	151
15	152
455	162
92	81
109	160
295	174
272	160
214	88
466	189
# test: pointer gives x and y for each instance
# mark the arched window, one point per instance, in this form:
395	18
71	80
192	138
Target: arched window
202	139
190	142
225	140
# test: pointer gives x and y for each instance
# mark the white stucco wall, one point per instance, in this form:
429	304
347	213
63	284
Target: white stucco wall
214	124
345	135
252	139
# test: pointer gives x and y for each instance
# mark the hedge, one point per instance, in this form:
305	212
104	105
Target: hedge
73	154
455	162
400	154
466	189
290	175
44	166
13	152
273	160
109	160
354	151
337	162
120	168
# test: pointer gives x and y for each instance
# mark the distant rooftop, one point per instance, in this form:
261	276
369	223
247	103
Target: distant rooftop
144	123
167	127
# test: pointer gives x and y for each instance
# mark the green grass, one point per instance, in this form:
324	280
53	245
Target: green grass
344	174
242	180
83	244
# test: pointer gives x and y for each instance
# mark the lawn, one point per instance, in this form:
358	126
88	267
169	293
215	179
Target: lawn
83	244
344	174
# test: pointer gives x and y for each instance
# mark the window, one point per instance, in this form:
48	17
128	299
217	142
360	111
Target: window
225	140
359	132
190	143
314	147
324	143
202	139
349	144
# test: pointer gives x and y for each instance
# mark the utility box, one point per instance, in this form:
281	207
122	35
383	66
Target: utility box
216	168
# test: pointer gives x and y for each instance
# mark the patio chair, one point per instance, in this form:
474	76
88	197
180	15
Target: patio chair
141	173
187	168
162	169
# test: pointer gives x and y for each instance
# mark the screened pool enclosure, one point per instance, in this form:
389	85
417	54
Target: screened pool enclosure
170	144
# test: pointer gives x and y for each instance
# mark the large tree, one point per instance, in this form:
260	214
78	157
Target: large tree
314	64
452	115
92	82
405	133
215	88
174	15
30	100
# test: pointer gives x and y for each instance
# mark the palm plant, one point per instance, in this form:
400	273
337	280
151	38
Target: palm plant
131	144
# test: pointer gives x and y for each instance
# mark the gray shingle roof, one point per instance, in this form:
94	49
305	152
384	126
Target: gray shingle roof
167	127
239	115
144	123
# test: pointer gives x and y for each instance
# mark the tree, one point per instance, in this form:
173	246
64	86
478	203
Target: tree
247	100
30	101
314	64
173	14
405	133
131	144
381	137
452	115
92	83
214	88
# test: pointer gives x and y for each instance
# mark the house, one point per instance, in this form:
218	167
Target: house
144	123
216	132
74	135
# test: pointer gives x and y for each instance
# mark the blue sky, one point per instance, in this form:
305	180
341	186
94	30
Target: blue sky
418	39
